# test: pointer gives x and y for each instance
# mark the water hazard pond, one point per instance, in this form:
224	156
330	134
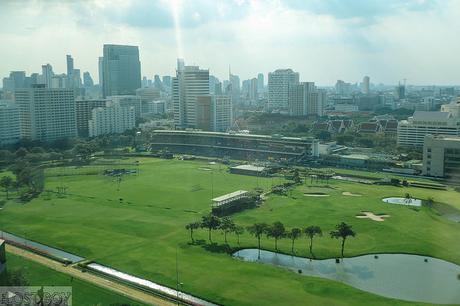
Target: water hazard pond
400	276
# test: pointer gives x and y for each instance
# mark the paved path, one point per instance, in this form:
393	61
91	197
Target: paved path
119	288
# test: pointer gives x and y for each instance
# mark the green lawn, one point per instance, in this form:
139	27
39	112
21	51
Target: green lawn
141	234
83	293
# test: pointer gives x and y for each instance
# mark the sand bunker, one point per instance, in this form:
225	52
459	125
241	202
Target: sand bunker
205	169
372	216
347	193
315	194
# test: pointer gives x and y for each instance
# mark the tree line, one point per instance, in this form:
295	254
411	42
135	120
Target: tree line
276	231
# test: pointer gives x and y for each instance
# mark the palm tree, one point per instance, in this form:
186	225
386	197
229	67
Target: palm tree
294	234
311	232
277	231
210	222
226	225
6	182
238	230
342	230
191	227
257	230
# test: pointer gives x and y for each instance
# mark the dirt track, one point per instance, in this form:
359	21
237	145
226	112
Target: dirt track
119	288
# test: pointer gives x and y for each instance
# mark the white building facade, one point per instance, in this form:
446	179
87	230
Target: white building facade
9	122
278	88
112	119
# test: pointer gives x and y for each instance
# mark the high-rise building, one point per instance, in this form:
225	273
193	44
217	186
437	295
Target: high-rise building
253	90
401	92
278	88
318	102
47	74
129	101
69	61
222	113
87	80
166	80
121	70
84	109
9	122
100	66
300	99
366	84
59	81
17	79
204	113
46	114
260	82
235	87
111	119
189	83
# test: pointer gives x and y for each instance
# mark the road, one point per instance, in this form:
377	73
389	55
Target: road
119	288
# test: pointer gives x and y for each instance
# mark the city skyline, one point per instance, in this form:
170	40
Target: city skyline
322	41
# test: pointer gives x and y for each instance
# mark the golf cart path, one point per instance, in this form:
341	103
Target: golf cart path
119	288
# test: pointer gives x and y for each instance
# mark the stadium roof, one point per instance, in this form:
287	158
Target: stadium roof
230	196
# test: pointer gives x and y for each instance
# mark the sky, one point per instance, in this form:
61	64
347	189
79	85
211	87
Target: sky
324	40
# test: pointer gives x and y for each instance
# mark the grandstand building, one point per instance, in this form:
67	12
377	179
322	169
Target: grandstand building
240	146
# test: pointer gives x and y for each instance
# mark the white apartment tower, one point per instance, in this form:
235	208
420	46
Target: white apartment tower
111	119
278	88
223	113
189	83
300	99
46	114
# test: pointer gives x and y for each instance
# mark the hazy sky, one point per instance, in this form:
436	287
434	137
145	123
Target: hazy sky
324	40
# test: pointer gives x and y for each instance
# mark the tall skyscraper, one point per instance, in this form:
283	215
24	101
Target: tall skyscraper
46	114
47	75
100	65
87	80
278	88
260	82
366	84
69	61
121	70
222	113
189	83
253	90
300	99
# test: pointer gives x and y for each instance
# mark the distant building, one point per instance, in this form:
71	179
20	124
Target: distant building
301	98
121	70
278	88
111	119
46	114
222	113
154	107
441	157
260	83
87	80
84	110
366	85
47	74
204	113
189	83
453	108
9	122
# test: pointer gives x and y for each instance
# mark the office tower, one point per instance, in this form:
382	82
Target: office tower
260	82
113	118
401	92
9	122
84	109
278	88
212	83
147	95
76	79
59	81
121	71
189	83
218	89
235	88
342	88
69	61
318	102
300	99
222	113
87	80
204	113
253	90
366	85
180	64
166	80
46	114
157	82
100	66
16	79
47	74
